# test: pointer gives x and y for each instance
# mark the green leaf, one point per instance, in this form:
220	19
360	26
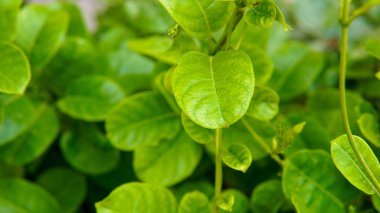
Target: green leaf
376	202
238	157
264	104
310	189
91	98
20	196
262	14
240	204
349	165
86	149
8	18
62	183
7	170
138	197
202	17
142	119
40	32
200	88
194	202
161	164
225	201
369	127
16	114
14	69
267	197
36	139
204	187
196	132
373	48
262	64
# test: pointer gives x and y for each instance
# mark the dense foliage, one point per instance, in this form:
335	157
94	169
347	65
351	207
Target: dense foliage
190	106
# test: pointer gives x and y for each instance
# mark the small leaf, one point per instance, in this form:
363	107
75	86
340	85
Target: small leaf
91	98
369	127
261	14
268	197
14	69
142	119
264	104
196	132
310	189
86	149
373	48
238	157
225	201
280	18
202	17
139	197
12	197
349	165
61	183
194	202
240	201
161	164
8	19
199	85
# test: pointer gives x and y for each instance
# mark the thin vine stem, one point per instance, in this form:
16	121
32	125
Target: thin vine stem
345	8
218	167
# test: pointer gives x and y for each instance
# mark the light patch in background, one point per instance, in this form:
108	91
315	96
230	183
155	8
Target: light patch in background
90	10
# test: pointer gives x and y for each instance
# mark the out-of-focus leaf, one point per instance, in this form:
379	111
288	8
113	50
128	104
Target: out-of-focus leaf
194	201
19	196
40	32
240	204
308	187
373	47
238	157
88	150
199	85
202	186
262	14
267	197
161	164
369	126
7	170
225	201
139	197
142	119
8	18
67	186
350	166
14	69
196	132
264	104
261	62
376	202
91	98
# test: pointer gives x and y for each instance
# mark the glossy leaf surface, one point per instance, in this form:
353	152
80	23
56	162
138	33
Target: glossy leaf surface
196	132
238	157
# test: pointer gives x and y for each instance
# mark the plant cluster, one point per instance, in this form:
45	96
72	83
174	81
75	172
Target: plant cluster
190	106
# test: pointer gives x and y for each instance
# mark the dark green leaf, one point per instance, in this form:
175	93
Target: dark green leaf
267	197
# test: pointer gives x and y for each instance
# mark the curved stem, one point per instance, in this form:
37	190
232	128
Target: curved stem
342	92
218	167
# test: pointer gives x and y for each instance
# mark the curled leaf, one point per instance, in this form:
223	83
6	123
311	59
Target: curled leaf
238	157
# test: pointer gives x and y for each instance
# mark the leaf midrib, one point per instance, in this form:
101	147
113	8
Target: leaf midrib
210	59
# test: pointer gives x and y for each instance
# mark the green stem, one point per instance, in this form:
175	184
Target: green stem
362	10
241	36
262	142
218	167
342	91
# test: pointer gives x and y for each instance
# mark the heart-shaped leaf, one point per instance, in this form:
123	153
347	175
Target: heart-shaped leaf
214	91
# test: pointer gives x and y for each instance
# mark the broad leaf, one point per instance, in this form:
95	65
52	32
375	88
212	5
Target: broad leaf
8	18
91	98
376	202
214	91
312	190
204	187
36	139
238	157
264	104
240	201
61	183
194	201
373	48
161	164
199	18
87	150
142	119
267	197
350	166
369	126
20	196
138	197
40	32
196	132
262	64
14	69
16	114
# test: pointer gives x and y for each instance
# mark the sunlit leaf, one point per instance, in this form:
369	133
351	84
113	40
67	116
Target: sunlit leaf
194	201
238	157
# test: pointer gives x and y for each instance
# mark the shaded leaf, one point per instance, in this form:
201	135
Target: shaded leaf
240	202
349	165
264	104
138	197
194	201
267	197
262	64
261	14
225	201
238	157
196	132
200	88
8	18
161	164
369	127
373	48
